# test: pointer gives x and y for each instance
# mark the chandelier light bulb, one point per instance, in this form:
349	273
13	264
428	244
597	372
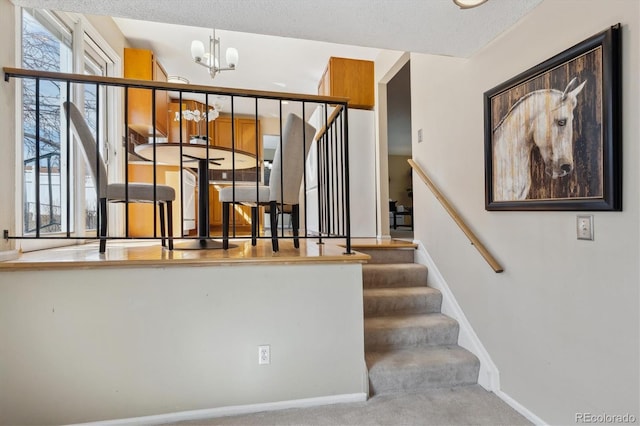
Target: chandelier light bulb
212	114
197	115
197	50
232	57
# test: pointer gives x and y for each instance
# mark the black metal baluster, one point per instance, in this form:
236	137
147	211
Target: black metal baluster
37	164
304	165
345	129
97	159
126	161
68	167
155	162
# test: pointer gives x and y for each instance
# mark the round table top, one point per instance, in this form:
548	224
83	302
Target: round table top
219	157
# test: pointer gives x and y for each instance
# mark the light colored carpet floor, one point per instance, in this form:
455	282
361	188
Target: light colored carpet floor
403	233
464	405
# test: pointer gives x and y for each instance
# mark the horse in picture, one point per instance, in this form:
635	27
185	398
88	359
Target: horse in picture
544	118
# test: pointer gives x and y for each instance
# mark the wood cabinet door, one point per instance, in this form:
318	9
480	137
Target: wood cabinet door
215	206
223	131
140	64
242	214
349	78
162	100
141	214
137	65
246	135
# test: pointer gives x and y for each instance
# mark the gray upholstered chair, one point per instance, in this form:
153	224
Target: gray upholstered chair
283	192
117	192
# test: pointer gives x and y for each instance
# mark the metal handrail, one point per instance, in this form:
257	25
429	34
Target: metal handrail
457	218
332	149
148	84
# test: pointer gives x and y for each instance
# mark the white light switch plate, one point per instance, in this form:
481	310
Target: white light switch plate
584	227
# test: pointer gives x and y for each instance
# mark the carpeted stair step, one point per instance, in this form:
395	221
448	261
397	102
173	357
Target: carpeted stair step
404	300
389	255
407	331
400	275
421	368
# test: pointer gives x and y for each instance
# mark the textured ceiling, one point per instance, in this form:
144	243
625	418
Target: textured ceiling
284	45
426	26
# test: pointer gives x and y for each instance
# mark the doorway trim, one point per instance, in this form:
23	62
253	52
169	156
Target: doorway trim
382	150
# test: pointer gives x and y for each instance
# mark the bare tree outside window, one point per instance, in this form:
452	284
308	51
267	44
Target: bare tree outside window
44	50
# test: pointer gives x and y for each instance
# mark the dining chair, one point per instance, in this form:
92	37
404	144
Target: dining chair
131	192
283	192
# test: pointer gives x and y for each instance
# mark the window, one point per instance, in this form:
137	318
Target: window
58	195
46	45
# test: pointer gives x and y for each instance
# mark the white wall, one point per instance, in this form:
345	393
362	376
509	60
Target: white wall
83	345
561	323
362	174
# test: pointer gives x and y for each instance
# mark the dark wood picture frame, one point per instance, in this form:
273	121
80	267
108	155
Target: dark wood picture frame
553	134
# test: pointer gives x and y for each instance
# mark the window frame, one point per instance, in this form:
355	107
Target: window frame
82	33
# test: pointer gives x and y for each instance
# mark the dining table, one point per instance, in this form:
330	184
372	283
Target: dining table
204	157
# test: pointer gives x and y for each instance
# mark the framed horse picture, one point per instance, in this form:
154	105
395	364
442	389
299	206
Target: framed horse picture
553	133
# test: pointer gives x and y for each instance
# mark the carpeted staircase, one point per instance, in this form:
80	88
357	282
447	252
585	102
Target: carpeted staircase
409	343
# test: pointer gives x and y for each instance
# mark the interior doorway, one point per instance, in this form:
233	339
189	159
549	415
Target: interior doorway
401	211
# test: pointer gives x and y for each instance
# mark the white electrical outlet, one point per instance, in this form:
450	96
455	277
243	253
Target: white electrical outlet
584	227
419	135
264	354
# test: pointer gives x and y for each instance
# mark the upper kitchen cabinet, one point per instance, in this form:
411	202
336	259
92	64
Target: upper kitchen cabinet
349	78
141	64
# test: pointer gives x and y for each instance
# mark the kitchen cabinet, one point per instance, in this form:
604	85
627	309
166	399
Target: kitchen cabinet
349	78
141	64
223	131
245	134
141	214
242	213
220	129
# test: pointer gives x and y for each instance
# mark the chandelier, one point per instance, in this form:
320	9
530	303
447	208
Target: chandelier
197	117
211	59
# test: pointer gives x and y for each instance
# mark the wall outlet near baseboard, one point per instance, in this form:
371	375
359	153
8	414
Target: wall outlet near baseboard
264	354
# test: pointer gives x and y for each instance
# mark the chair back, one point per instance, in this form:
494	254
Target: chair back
88	147
287	169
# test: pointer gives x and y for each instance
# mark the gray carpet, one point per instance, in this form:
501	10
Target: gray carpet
465	405
409	344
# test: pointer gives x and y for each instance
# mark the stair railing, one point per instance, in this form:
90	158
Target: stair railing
457	218
332	152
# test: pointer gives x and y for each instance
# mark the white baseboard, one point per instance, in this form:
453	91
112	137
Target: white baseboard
233	410
489	376
521	409
9	255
